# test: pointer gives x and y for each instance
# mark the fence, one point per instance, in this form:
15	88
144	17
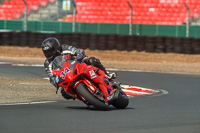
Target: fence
106	41
101	28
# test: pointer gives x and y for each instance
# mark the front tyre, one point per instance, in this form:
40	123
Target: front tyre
122	101
65	95
89	97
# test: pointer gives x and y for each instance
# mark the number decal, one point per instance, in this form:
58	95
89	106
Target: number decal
66	70
63	73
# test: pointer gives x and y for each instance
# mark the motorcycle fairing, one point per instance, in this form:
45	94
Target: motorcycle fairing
72	64
71	69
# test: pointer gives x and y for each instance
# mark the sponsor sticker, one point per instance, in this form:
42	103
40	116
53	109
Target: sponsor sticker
92	74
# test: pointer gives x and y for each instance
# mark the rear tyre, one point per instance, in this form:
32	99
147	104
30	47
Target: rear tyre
89	97
122	101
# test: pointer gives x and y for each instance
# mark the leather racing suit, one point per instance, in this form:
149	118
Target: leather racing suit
67	49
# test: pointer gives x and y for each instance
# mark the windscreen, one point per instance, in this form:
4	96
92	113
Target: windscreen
58	62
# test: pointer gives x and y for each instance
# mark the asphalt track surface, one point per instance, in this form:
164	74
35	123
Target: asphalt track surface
176	112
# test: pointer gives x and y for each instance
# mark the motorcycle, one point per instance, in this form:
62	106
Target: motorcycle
87	83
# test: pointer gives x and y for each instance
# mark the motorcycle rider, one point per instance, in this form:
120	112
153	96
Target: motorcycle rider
51	48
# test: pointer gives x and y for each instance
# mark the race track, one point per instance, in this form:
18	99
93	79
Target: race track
176	112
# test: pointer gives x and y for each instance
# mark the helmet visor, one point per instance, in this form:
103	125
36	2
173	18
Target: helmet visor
49	53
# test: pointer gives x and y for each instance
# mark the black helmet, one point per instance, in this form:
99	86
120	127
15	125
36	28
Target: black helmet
50	47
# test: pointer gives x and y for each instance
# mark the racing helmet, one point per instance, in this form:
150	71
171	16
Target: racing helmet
50	47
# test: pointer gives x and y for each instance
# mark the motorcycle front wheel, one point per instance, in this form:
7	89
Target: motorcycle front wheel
90	98
122	101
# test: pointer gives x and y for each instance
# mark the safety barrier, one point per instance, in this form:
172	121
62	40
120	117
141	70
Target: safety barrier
101	28
106	41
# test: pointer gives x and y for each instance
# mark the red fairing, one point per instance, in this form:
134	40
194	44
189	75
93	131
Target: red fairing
71	69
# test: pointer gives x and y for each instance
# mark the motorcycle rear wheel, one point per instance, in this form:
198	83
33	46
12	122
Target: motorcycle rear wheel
122	101
89	97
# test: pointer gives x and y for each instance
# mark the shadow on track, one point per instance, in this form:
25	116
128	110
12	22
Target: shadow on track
91	108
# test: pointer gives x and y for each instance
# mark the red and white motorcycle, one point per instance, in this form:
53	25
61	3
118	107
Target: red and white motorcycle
87	83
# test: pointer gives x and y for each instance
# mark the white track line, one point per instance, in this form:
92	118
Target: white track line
28	103
27	83
21	64
111	69
27	65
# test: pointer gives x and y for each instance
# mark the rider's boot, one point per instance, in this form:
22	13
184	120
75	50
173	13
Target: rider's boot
111	75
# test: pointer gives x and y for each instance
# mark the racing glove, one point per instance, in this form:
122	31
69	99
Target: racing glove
80	54
53	81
